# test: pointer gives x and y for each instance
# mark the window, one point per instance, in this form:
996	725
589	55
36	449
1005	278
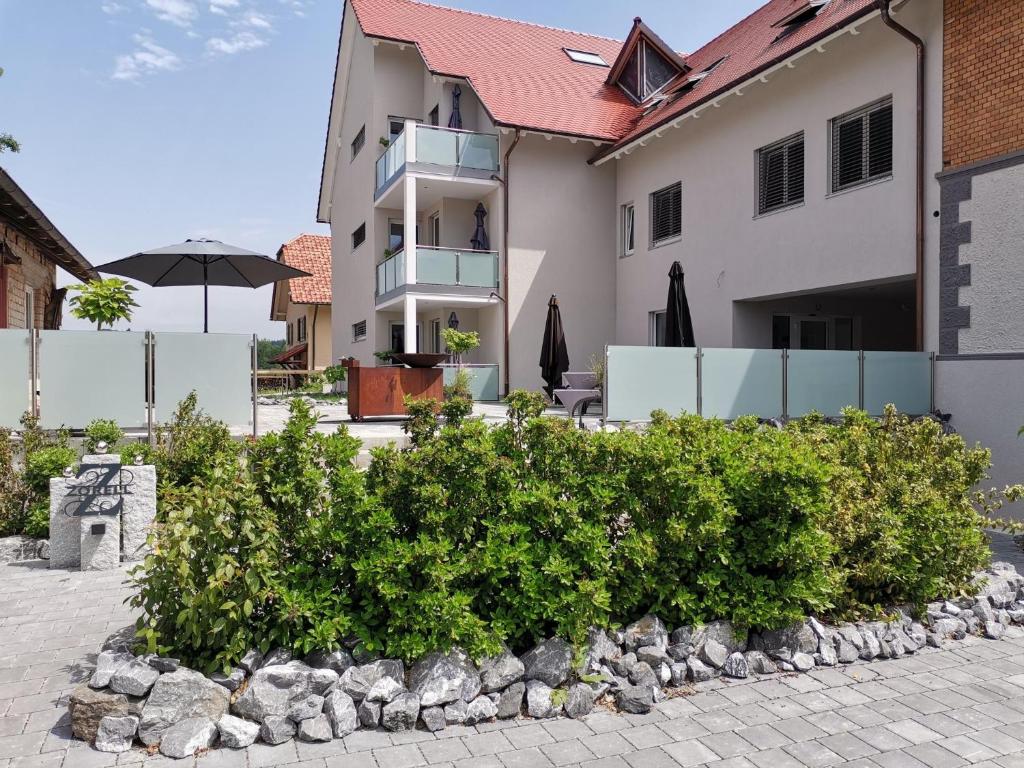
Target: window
358	141
666	213
435	115
359	330
656	328
290	336
435	230
796	18
646	72
585	57
395	127
435	335
396	235
628	229
862	146
359	236
780	174
300	326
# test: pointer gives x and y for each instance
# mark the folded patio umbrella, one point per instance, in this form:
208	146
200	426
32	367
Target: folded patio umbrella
202	262
554	357
480	241
678	325
455	121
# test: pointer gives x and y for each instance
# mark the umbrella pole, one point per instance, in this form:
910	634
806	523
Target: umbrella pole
206	300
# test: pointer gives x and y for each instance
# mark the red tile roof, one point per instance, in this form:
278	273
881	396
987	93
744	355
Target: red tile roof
524	78
310	253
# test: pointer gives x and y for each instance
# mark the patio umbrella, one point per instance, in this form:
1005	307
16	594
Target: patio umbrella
453	321
480	241
202	262
455	121
554	358
678	326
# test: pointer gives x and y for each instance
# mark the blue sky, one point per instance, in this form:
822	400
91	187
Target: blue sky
145	122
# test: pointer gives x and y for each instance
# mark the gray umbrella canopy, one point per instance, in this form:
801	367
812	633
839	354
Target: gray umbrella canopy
202	262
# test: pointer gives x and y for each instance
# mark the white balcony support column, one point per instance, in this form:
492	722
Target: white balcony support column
410	141
409	230
410	324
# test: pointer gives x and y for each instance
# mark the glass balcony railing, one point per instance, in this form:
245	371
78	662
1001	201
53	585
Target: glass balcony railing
441	266
439	146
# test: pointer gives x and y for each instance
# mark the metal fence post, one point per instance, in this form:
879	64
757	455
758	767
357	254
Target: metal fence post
150	376
33	367
931	382
785	383
255	386
604	387
860	380
700	381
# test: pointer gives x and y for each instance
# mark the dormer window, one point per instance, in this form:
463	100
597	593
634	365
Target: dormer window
585	57
795	19
646	72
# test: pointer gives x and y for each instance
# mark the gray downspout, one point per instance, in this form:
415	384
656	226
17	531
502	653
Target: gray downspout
312	339
918	43
504	257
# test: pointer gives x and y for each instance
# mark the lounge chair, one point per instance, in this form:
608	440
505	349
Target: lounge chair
579	390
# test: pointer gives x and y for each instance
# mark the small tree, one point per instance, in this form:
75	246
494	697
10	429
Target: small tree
459	342
8	142
103	301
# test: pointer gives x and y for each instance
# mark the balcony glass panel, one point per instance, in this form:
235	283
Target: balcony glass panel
391	161
463	149
478	269
437	266
901	378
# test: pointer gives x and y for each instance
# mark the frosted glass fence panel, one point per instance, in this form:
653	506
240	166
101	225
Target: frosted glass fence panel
737	382
478	269
642	379
218	366
436	266
901	378
825	381
483	380
15	371
87	375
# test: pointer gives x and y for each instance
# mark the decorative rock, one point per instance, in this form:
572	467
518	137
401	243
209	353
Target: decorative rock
846	652
252	661
164	663
852	635
600	647
798	638
650	630
134	678
499	672
307	708
538	700
107	663
440	678
759	663
623	664
177	696
232	682
363	655
653	655
678	674
275	688
385	690
826	655
642	674
803	662
818	628
276	657
949	628
338	660
722	632
183	738
237	733
698	672
549	662
712	653
357	681
455	713
17	548
638	700
315	729
116	733
682	636
433	718
580	701
369	713
994	630
679	651
736	666
401	713
341	711
88	707
872	647
277	729
511	701
480	709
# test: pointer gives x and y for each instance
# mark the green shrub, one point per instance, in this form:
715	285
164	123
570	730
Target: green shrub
192	445
207	589
900	516
46	463
135	449
421	422
101	430
334	373
13	493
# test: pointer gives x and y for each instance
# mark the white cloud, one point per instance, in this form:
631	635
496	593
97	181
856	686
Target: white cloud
148	58
112	7
238	42
257	20
178	12
297	6
221	7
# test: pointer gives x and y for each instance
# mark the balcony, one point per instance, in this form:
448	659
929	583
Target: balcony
432	148
448	267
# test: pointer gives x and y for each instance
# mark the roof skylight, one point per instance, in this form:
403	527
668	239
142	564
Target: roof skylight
585	57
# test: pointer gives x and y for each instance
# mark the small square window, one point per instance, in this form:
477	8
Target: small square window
628	229
359	330
861	146
358	236
435	115
358	141
666	213
585	57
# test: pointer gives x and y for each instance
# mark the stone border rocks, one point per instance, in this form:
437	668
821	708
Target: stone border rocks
14	549
329	695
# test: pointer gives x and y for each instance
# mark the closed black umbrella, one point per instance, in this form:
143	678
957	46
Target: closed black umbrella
480	241
554	358
678	325
455	121
202	262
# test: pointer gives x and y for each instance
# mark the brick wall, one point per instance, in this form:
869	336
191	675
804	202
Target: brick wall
34	274
983	80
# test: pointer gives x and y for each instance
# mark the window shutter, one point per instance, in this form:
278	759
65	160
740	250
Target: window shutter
781	174
862	146
667	213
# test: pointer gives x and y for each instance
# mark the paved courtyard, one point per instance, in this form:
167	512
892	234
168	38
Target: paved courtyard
940	708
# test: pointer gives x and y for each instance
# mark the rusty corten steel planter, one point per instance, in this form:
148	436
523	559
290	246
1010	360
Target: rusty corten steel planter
382	391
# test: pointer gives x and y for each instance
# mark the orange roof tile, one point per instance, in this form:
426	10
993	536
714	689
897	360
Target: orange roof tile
310	253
